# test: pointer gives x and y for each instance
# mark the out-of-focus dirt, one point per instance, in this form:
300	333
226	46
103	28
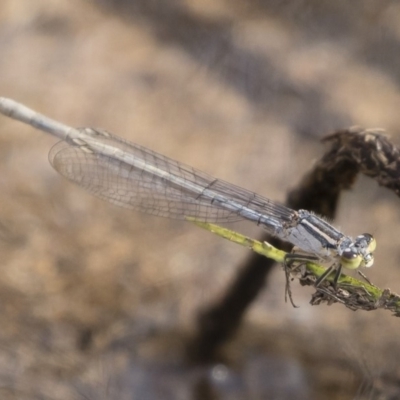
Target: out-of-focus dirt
96	302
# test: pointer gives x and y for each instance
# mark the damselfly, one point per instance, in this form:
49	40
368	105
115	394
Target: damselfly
137	178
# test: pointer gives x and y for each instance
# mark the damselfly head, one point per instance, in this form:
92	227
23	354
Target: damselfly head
359	253
366	245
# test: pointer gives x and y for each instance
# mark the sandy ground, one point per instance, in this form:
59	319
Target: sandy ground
96	301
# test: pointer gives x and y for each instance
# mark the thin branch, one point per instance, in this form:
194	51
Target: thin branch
351	292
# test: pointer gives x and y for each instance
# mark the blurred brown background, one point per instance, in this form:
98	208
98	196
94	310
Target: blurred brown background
97	302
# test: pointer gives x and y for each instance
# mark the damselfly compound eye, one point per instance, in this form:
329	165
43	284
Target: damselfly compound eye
350	259
367	241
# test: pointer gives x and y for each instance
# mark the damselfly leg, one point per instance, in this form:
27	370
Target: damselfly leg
294	261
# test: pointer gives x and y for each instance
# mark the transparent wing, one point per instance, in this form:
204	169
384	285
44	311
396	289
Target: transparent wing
134	188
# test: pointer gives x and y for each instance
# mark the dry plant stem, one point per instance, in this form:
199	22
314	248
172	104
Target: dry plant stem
351	292
350	152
